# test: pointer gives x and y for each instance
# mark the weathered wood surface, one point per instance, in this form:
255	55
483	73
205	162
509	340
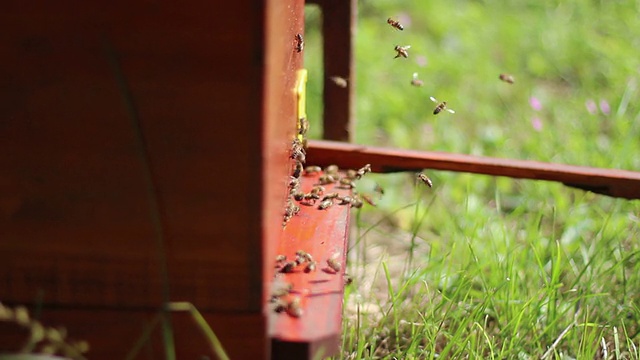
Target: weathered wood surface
612	182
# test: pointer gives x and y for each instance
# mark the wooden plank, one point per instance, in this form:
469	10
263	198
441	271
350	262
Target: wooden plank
338	31
323	234
611	182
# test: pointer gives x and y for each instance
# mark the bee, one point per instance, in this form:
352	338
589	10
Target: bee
333	263
303	128
339	81
368	199
440	107
356	202
294	182
331	196
304	255
326	179
297	171
298	195
402	51
325	204
299	43
317	190
310	170
298	153
347	183
288	267
425	179
279	305
378	189
507	78
331	169
395	24
311	266
348	279
352	174
345	200
415	81
363	171
294	307
280	289
280	259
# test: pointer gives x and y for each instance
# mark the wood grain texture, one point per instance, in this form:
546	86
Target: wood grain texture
612	182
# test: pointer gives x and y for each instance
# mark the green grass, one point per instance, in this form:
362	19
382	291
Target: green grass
495	268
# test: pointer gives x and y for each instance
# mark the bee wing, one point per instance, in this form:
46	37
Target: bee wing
407	47
415	75
433	99
451	111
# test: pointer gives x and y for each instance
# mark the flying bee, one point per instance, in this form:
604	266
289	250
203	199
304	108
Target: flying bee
333	262
402	51
507	78
340	81
294	308
368	199
299	43
378	189
395	24
440	107
425	179
415	81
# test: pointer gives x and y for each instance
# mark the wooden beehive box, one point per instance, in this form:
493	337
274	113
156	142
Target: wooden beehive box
144	156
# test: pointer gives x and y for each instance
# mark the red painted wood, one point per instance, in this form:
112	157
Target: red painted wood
322	233
612	182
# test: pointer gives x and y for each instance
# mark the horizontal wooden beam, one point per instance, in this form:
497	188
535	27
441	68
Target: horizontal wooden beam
611	182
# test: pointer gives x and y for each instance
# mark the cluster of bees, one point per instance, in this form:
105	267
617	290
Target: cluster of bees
403	51
280	299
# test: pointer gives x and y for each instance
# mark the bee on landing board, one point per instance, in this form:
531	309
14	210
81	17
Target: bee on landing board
402	51
440	107
299	43
395	24
507	78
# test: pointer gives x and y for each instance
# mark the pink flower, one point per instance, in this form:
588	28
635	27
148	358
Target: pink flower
604	107
535	103
592	108
421	60
536	123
